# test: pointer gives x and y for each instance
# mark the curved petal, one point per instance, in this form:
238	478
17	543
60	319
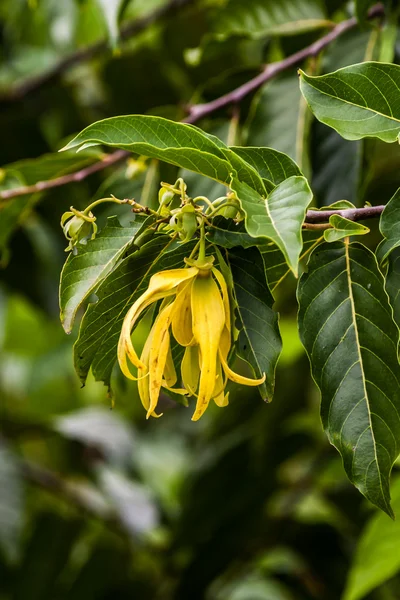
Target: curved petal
190	369
225	296
161	285
222	400
159	348
182	319
143	381
208	323
236	377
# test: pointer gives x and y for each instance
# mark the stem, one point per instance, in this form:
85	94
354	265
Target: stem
221	206
101	201
202	243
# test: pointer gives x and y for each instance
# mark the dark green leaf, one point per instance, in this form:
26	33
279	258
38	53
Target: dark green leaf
177	143
392	283
101	325
84	271
227	233
273	166
347	329
259	341
358	101
389	225
280	217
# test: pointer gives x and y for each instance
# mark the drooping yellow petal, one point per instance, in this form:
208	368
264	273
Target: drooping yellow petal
170	377
143	374
236	377
222	400
220	381
190	369
182	319
208	323
158	354
225	296
161	285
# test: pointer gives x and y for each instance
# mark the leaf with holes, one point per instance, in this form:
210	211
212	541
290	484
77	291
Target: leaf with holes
259	342
347	328
96	346
358	101
279	217
84	271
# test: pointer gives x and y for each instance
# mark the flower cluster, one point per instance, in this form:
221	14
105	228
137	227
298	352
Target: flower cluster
195	307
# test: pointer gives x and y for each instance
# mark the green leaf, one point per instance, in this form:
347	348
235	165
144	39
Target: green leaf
177	143
389	225
347	328
273	166
259	18
84	271
227	233
377	557
101	325
392	283
342	228
357	101
362	8
279	118
259	341
280	217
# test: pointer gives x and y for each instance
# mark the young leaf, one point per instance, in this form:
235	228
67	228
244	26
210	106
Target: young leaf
377	558
346	326
389	225
101	325
280	217
177	143
84	271
259	341
358	101
342	227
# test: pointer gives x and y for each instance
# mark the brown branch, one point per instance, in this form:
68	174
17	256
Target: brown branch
352	214
128	30
198	111
41	186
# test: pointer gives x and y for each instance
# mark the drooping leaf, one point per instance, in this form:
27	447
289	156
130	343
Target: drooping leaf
377	557
279	217
84	271
96	346
357	101
177	143
342	227
259	341
389	225
346	326
258	18
273	166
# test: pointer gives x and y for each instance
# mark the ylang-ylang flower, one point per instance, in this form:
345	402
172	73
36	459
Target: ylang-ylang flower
195	311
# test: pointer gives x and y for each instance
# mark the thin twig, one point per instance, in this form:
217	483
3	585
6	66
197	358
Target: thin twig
41	186
128	30
198	111
352	214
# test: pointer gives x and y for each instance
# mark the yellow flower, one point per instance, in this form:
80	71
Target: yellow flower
196	308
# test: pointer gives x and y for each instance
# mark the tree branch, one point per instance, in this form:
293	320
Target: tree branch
352	214
19	91
41	186
198	111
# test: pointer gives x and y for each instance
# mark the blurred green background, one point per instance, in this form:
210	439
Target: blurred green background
251	503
